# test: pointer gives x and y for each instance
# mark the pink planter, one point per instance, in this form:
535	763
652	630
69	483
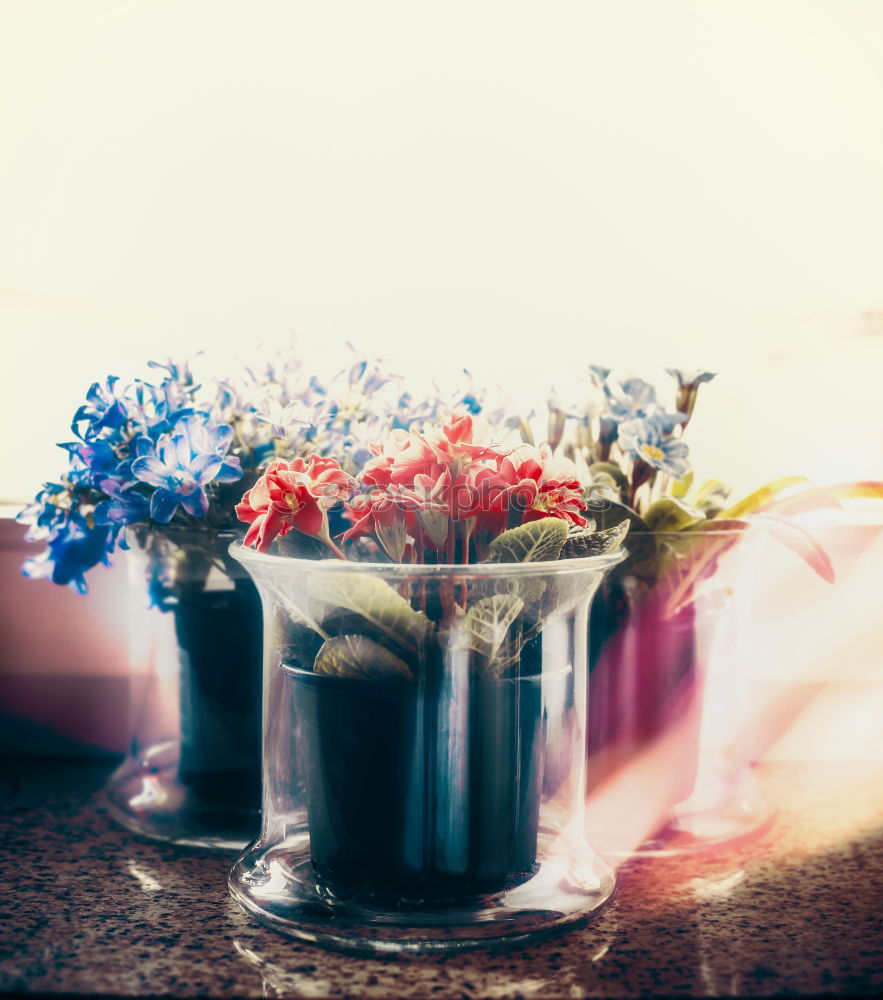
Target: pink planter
64	658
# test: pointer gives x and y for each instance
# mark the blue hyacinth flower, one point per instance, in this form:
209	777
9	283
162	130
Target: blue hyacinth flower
70	554
125	505
46	513
103	410
183	464
95	460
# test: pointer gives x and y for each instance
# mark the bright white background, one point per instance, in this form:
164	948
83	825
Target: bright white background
522	188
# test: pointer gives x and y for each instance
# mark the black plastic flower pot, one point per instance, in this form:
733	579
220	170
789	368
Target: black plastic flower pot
481	775
413	792
220	644
351	747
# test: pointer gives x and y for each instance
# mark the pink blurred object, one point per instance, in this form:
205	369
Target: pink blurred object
646	680
646	699
64	658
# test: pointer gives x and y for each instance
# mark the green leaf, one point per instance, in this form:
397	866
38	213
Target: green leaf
580	544
375	601
296	642
607	513
682	487
611	474
529	588
642	558
669	514
487	622
762	496
359	656
712	493
536	541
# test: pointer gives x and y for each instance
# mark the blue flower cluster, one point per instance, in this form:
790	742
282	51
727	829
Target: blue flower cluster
143	452
641	426
625	420
169	451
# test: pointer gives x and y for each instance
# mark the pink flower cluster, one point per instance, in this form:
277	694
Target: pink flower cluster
296	494
439	493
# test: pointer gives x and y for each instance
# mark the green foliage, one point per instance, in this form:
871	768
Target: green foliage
536	541
583	543
297	643
485	626
711	497
682	486
359	656
374	600
669	514
610	474
760	497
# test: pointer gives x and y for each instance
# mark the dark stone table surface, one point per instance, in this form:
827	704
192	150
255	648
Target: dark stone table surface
88	908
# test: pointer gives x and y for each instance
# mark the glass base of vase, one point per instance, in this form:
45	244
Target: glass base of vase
720	812
280	888
147	796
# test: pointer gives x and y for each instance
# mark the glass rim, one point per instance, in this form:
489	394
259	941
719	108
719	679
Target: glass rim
558	567
698	532
152	528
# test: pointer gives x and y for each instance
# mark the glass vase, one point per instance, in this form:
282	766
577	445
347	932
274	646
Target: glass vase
193	773
654	644
424	764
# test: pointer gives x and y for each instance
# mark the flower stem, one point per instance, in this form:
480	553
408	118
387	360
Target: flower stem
338	552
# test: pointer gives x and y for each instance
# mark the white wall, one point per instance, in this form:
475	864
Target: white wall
520	187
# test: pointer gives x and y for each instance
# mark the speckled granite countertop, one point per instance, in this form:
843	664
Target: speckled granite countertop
88	908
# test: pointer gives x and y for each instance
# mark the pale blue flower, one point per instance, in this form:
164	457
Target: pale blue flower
688	378
630	398
666	423
642	440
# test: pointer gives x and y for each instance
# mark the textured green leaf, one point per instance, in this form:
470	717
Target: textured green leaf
759	498
359	656
374	600
580	544
536	541
487	622
529	588
669	514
